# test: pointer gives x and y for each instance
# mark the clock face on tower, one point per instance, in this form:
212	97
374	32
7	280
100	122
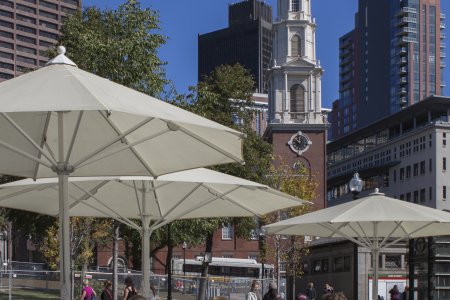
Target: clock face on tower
299	142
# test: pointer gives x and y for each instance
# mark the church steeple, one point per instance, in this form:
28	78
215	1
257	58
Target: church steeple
295	95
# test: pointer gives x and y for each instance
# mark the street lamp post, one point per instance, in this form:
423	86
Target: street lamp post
262	247
355	185
184	266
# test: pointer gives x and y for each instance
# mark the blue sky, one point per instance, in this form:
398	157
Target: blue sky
183	20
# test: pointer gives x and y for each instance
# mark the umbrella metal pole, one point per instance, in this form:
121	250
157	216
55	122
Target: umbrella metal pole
375	255
64	236
62	169
146	233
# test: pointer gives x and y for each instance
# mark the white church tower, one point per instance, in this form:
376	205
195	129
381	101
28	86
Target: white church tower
295	81
297	126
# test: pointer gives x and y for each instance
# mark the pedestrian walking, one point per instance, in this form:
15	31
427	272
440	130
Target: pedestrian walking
106	293
311	292
272	293
88	292
253	293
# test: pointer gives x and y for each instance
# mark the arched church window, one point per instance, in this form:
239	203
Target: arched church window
296	46
295	5
297	93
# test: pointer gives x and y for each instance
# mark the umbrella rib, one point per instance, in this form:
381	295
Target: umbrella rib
90	194
26	155
181	200
128	146
75	132
162	223
21	192
153	189
209	144
28	138
137	197
119	137
343	234
407	235
398	224
44	144
365	237
236	203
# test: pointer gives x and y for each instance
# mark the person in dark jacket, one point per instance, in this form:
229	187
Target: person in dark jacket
272	293
311	292
106	293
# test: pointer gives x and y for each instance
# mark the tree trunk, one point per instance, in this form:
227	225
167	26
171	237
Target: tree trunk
204	279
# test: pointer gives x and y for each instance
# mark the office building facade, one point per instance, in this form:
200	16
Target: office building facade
27	29
247	40
406	156
391	60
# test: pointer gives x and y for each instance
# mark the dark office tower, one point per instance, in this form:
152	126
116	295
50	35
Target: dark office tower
27	29
395	55
247	41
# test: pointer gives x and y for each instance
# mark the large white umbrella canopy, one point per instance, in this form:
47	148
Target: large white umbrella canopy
374	222
197	193
60	120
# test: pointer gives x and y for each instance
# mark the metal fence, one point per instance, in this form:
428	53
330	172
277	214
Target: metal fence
32	282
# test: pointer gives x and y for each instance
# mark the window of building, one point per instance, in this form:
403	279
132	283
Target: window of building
73	2
408	172
402	173
296	46
395	175
430	193
295	5
422	195
45	44
4	65
6	24
6	76
341	263
48	4
25	39
416	196
26	49
401	197
48	25
6	45
422	167
416	169
392	261
25	19
7	55
444	164
25	29
6	14
26	8
6	34
27	60
48	35
227	232
7	3
408	197
297	94
444	139
49	15
68	10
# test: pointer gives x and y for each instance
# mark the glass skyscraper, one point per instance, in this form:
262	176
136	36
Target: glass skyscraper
392	59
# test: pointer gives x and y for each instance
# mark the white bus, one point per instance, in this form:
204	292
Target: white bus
224	267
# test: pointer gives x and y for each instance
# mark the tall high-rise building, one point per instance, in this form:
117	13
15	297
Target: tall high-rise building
247	40
297	127
27	29
391	60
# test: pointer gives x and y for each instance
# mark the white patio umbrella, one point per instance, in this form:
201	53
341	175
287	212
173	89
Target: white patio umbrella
60	120
197	193
374	222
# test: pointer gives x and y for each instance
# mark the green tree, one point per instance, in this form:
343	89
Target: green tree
121	45
225	96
